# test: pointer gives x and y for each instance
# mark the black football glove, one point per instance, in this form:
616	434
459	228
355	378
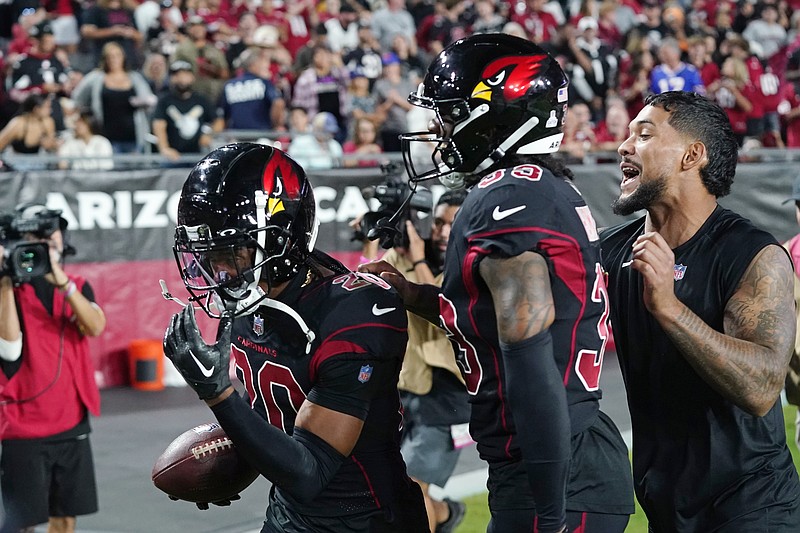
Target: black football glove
203	366
203	506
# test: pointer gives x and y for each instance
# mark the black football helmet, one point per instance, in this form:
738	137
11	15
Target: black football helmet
251	208
493	95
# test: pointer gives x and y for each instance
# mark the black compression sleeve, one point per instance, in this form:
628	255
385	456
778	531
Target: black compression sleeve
538	402
301	464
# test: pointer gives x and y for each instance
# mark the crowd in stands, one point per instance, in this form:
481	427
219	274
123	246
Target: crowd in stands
329	78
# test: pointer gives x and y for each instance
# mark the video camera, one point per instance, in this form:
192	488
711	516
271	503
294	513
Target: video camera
388	223
24	260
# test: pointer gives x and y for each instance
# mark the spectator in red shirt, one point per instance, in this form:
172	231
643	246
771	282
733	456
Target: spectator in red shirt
301	15
540	25
735	94
612	131
634	79
789	111
362	143
700	57
266	14
435	31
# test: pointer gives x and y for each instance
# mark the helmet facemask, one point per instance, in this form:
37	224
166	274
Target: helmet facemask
222	272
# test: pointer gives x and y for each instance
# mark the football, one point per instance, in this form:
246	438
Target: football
202	465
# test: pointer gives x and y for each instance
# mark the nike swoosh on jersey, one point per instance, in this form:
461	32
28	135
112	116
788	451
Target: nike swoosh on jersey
205	371
378	311
497	214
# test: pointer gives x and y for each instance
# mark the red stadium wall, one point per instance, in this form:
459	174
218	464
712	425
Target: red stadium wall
130	295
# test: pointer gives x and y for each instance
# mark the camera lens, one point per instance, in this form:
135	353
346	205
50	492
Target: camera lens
27	261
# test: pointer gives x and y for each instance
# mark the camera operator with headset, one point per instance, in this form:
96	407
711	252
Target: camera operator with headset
434	397
47	385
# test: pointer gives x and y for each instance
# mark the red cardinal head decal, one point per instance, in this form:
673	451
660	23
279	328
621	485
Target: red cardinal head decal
514	74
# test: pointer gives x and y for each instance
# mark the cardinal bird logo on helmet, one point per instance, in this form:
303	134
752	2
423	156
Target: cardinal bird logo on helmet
514	74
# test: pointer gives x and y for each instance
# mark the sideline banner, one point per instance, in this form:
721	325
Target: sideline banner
122	225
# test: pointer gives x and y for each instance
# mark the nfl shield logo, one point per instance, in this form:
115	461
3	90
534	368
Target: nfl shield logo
679	272
365	373
258	325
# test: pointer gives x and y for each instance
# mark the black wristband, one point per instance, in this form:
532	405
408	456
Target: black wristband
415	263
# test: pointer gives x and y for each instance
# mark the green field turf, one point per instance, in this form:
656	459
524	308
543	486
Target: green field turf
478	511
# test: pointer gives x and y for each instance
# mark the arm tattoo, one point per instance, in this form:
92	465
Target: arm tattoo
520	288
747	363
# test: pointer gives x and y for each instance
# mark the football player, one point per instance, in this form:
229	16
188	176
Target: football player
317	347
523	298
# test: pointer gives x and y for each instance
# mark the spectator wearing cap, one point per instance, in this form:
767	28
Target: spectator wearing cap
391	93
267	39
39	71
182	120
592	66
110	20
391	19
319	149
120	99
208	62
250	101
362	102
652	28
342	27
163	37
366	57
323	87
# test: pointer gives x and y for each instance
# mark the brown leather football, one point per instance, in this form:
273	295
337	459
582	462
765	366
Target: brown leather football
202	465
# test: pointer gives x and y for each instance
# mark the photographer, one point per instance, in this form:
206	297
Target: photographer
435	401
47	382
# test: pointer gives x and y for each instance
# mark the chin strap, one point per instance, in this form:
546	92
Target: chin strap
280	306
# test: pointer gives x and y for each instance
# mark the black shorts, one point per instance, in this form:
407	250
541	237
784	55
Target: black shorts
43	479
599	480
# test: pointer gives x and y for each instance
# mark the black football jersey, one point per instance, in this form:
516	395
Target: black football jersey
511	211
351	366
698	460
31	72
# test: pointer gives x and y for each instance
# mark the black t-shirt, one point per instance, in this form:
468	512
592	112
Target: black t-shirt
118	115
698	460
511	211
352	367
185	120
